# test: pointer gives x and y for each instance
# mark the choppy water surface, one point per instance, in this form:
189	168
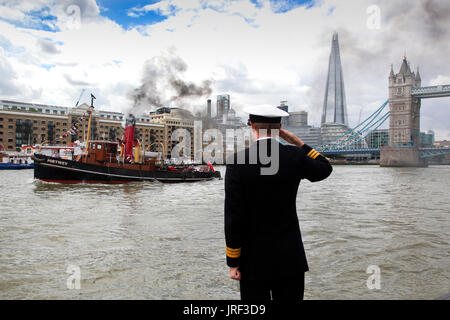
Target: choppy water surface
166	241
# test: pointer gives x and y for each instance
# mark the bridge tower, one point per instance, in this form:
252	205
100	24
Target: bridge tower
404	122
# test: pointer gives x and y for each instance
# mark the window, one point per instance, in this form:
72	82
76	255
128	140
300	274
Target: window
1	126
42	122
10	120
10	127
35	121
1	119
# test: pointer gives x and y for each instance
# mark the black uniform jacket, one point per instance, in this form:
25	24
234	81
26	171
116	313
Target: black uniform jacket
261	225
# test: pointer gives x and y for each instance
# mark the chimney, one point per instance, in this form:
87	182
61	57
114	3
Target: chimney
129	140
208	109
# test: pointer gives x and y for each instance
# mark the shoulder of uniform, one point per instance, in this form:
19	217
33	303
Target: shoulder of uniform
305	150
292	148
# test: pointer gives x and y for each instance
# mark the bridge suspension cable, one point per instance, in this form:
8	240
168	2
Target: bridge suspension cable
354	135
361	137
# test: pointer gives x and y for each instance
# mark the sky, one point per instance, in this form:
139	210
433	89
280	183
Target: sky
257	51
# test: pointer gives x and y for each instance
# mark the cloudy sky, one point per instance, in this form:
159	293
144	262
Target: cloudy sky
258	51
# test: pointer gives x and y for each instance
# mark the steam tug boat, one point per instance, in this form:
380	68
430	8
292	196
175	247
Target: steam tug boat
115	162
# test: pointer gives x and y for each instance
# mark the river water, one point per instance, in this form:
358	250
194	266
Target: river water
166	241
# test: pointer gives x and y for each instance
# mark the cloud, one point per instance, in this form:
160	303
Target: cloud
8	85
77	82
256	51
12	14
165	8
49	15
48	46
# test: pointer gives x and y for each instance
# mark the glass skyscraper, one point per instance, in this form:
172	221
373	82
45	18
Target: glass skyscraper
335	105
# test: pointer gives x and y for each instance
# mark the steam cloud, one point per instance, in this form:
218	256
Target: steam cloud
162	85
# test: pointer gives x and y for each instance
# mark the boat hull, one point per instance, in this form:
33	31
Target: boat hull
66	171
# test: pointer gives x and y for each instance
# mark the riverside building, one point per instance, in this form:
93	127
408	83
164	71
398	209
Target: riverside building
24	123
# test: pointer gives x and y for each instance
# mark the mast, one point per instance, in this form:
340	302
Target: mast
91	111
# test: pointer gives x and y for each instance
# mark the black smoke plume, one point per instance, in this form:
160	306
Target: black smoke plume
163	84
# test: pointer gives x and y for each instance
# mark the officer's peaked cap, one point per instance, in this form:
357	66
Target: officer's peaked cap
265	113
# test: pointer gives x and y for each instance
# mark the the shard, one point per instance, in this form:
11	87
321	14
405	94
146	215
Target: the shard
335	105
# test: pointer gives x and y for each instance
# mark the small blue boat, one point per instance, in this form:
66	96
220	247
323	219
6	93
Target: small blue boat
16	166
15	161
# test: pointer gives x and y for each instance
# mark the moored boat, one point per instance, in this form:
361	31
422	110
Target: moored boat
15	166
15	161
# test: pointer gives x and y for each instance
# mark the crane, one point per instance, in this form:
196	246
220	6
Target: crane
79	98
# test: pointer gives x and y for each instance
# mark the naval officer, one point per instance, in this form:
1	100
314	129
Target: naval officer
264	247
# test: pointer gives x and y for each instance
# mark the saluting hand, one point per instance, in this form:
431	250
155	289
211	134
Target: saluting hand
291	138
235	273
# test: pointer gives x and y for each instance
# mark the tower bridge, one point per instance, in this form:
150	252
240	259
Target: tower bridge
405	95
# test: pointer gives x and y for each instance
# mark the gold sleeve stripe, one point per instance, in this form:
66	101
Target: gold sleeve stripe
313	154
233	253
237	255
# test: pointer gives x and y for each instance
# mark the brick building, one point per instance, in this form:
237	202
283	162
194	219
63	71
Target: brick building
30	124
